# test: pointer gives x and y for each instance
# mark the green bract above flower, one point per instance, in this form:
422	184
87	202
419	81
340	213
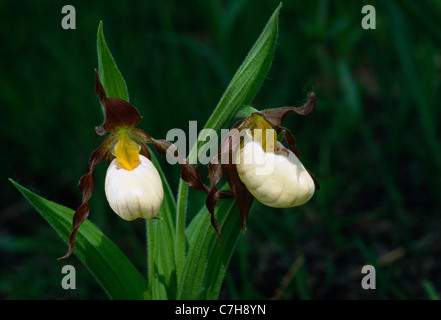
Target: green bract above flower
258	166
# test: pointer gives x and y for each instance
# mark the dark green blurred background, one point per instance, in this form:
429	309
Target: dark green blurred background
373	141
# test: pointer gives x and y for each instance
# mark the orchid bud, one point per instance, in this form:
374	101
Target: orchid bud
275	178
135	193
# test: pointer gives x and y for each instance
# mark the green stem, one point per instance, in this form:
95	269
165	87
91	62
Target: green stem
180	228
181	212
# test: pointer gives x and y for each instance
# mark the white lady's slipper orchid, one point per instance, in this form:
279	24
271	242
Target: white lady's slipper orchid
133	186
135	193
262	168
276	178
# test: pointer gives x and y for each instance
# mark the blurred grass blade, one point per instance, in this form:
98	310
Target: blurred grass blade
110	267
206	263
430	290
405	54
160	233
108	71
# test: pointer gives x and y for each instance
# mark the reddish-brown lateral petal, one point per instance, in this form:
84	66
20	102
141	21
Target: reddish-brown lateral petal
243	197
79	217
228	144
119	114
189	173
86	185
192	177
213	195
276	116
100	154
210	202
225	194
145	151
214	172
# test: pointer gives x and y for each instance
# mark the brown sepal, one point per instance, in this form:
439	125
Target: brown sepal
276	116
86	186
119	114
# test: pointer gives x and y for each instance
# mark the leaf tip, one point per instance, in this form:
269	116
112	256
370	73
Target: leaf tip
276	12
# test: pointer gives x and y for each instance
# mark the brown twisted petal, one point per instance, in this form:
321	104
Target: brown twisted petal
238	190
189	172
243	197
86	185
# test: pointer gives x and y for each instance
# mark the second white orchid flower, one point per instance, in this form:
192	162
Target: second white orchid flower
275	177
258	166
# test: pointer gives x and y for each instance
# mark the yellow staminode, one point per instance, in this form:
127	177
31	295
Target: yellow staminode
263	132
127	152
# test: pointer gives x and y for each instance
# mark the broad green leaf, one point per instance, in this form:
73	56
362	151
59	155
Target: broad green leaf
110	267
246	82
241	91
160	233
108	71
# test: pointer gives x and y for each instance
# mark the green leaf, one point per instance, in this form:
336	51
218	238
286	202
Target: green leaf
110	76
112	269
204	266
246	82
